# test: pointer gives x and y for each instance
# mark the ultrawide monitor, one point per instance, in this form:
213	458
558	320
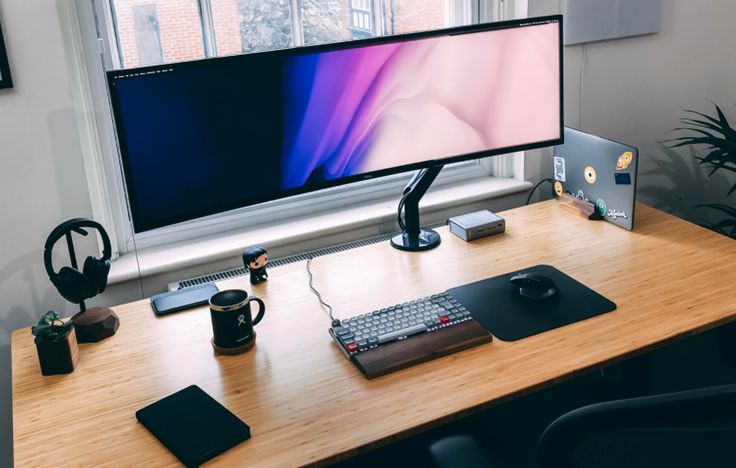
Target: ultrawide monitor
203	137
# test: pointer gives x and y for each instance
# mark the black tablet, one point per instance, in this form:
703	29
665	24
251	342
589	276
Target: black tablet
193	425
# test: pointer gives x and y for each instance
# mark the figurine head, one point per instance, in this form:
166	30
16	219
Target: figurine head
255	257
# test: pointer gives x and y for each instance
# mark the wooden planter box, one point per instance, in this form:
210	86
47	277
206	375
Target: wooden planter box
58	357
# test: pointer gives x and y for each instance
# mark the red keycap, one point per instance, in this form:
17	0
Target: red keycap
444	318
351	347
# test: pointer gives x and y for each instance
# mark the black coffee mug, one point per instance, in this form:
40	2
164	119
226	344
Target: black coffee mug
232	323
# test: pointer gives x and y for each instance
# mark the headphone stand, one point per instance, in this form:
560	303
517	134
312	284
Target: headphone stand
95	324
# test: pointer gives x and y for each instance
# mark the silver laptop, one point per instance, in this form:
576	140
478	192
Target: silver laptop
600	171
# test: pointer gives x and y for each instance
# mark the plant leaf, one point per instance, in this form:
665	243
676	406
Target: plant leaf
728	210
726	223
39	329
49	317
51	327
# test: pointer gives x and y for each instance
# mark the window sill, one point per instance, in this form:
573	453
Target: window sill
278	236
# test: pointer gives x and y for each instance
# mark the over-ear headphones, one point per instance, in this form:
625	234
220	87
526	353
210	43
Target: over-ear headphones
73	285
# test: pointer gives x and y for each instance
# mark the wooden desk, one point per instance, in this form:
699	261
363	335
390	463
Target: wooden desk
306	403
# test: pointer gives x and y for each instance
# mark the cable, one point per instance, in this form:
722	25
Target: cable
402	226
325	306
407	190
582	85
529	198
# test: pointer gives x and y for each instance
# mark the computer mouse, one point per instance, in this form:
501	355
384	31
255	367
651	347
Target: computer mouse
534	285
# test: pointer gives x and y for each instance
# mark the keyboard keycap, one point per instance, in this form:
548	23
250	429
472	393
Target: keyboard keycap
385	338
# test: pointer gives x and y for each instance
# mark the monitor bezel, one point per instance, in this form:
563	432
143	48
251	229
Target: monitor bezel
114	75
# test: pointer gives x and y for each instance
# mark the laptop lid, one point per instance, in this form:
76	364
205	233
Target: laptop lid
600	171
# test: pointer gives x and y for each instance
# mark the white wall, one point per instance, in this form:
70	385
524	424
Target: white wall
635	90
42	180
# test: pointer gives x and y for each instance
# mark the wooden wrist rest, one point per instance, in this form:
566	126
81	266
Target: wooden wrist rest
420	348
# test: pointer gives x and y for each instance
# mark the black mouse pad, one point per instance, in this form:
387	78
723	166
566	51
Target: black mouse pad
498	306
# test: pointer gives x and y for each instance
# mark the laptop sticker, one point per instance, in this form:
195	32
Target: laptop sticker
615	214
600	206
590	175
560	169
559	189
623	178
624	161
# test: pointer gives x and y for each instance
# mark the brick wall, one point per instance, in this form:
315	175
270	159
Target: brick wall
415	15
179	25
226	19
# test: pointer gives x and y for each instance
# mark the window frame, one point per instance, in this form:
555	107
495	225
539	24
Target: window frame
93	47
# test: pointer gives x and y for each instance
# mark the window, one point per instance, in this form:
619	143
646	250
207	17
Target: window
361	18
132	33
149	32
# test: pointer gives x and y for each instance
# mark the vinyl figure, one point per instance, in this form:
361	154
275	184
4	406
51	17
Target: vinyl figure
255	259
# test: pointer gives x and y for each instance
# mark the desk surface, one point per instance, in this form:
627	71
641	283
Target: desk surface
306	403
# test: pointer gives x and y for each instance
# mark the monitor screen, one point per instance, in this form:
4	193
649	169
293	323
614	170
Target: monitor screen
202	137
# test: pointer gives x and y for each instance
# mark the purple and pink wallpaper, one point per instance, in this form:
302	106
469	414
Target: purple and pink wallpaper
370	108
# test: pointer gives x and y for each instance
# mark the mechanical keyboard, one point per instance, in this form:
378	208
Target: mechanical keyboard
398	322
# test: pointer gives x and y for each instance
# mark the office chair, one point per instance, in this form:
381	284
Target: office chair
683	429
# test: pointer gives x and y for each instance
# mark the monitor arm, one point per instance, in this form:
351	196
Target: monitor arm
413	237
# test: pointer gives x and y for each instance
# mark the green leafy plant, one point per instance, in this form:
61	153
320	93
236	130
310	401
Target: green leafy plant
718	138
51	328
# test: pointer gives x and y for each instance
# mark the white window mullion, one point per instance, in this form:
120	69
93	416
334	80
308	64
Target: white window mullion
297	31
208	28
461	12
519	8
105	29
377	18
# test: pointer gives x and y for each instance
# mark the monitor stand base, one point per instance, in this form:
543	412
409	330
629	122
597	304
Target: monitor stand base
427	239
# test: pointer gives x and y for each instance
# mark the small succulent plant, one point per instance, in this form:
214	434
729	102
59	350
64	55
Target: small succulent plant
51	328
